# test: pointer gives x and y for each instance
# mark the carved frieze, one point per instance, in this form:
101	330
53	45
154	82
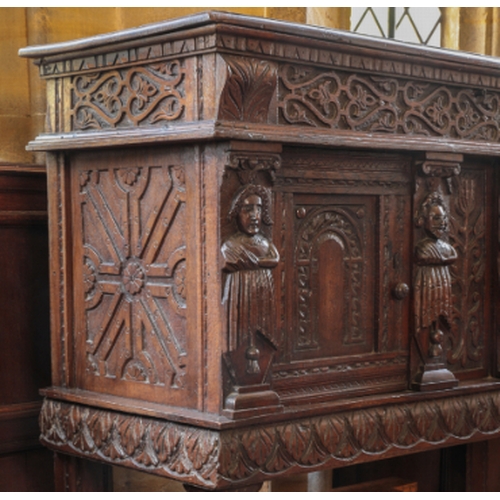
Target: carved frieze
344	438
242	456
335	58
148	95
260	48
129	56
133	277
181	452
385	104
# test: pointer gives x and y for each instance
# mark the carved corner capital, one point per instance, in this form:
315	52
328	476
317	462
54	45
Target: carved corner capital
248	163
444	165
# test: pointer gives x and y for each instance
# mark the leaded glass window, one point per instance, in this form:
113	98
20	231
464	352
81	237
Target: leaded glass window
409	24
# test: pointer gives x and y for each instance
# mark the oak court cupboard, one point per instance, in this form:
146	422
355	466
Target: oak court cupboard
273	248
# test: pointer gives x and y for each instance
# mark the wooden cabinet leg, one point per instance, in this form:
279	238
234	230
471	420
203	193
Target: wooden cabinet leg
76	474
249	488
482	466
319	481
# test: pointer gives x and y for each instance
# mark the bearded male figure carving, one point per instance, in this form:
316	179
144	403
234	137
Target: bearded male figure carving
433	294
248	259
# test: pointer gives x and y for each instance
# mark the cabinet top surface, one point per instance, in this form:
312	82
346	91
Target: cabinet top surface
217	21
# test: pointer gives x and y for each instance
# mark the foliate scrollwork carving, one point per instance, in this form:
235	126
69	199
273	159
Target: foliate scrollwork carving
469	238
343	438
149	95
346	101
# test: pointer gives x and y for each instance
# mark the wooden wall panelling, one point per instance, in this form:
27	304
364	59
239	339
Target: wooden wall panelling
24	331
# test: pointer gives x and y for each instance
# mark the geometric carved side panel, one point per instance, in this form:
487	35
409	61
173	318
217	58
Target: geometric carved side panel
134	267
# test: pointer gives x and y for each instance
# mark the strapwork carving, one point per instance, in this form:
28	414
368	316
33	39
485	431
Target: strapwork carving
349	101
149	95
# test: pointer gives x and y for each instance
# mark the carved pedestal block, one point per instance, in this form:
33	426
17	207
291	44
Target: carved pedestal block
273	248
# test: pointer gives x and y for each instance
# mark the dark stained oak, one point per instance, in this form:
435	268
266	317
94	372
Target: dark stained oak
273	251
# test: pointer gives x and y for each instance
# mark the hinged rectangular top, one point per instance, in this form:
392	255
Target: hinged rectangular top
218	76
267	28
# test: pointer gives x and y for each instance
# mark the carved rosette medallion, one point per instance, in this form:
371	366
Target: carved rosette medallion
133	274
133	277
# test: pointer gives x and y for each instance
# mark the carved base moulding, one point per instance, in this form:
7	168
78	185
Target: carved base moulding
215	459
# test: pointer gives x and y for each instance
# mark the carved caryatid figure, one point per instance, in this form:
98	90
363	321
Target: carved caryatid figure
433	255
248	259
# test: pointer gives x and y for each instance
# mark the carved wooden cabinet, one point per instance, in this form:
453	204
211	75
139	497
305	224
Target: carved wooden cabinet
273	248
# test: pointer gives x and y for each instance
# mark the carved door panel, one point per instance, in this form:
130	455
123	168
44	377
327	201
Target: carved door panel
129	273
346	225
334	257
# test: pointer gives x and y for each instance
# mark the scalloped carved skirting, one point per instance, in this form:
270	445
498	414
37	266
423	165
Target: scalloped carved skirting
216	459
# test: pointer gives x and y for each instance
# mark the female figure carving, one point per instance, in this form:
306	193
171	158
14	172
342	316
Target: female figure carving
433	294
248	259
